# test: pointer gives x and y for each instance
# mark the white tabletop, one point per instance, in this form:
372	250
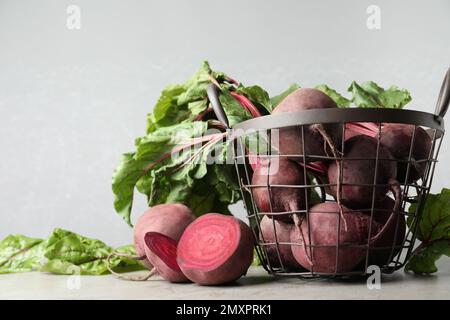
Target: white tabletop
256	285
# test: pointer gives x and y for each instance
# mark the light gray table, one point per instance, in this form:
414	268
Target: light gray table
256	285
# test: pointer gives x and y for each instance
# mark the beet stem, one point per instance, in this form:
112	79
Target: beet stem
143	277
214	81
369	128
216	139
193	142
232	81
395	187
298	222
201	115
247	104
327	140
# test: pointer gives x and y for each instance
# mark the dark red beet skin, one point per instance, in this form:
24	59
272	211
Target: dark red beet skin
168	219
393	236
323	228
284	199
358	175
290	139
215	249
397	138
283	230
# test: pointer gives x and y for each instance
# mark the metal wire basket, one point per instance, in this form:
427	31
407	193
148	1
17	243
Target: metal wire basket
274	251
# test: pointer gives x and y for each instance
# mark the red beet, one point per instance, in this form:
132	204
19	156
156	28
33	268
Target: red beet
167	219
323	229
397	138
284	199
356	128
318	167
215	249
290	139
394	234
165	248
358	174
282	231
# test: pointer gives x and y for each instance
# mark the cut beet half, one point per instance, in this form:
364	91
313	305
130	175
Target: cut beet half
215	249
164	247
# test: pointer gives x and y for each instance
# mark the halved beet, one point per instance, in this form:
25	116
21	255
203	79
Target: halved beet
162	251
168	219
215	249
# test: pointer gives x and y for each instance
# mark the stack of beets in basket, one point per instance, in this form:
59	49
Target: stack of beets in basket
333	236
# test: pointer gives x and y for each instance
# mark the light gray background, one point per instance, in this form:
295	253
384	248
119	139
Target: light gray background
72	101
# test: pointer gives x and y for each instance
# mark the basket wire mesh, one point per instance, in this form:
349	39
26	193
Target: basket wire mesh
412	192
264	129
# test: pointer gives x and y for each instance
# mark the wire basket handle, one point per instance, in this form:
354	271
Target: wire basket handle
444	96
213	95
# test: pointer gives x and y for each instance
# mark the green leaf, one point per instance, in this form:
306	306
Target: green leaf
164	179
434	223
71	253
125	177
19	253
182	102
203	188
395	98
424	261
224	180
195	87
433	230
149	149
370	95
274	101
361	98
166	110
257	95
187	178
64	252
256	262
340	100
197	107
72	247
233	109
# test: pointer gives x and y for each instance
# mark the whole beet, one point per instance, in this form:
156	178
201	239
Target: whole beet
290	139
358	175
397	138
394	235
275	230
281	171
168	219
321	231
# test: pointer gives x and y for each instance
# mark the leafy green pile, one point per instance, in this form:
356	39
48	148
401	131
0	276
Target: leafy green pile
64	252
369	95
433	230
178	118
